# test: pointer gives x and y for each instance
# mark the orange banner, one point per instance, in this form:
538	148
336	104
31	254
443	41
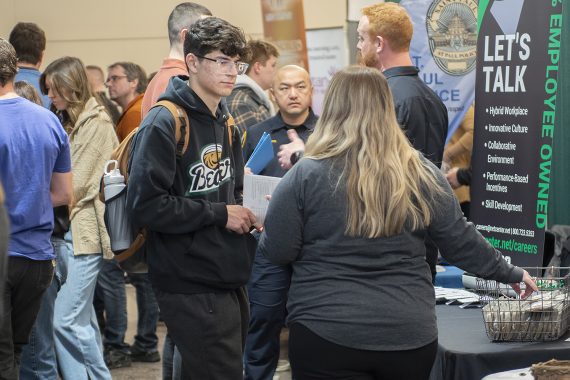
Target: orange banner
284	26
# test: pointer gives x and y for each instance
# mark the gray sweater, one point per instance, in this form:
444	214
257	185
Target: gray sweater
372	294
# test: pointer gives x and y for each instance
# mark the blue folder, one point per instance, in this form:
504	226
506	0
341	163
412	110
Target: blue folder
262	154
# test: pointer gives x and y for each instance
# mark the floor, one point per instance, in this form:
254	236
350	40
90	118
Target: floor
152	371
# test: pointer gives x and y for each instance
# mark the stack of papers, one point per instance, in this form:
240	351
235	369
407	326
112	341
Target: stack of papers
262	154
255	190
456	296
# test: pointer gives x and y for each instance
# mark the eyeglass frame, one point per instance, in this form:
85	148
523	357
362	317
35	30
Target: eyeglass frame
114	78
221	61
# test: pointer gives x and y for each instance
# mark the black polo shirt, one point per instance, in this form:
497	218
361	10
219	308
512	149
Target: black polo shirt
277	128
420	112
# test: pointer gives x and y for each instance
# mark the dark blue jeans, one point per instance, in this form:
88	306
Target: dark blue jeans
267	288
111	291
171	360
146	339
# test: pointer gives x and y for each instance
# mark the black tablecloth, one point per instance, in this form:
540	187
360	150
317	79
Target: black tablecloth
466	353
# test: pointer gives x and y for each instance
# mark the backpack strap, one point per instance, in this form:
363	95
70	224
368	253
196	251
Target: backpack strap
181	125
135	246
123	150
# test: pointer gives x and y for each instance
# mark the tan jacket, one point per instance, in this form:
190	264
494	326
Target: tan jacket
92	140
458	150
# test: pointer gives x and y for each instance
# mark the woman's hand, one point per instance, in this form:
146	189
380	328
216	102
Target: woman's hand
530	286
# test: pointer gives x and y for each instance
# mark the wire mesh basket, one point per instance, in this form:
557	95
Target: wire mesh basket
544	316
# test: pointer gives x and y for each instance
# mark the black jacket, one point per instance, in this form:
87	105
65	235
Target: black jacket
277	128
182	202
420	112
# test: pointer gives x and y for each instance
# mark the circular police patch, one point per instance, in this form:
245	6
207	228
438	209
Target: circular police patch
452	33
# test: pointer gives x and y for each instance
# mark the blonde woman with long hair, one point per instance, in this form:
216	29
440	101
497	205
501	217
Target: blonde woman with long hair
351	218
92	138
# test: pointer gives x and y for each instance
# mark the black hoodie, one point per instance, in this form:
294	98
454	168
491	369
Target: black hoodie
182	201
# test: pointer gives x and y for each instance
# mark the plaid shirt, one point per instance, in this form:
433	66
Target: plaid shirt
246	108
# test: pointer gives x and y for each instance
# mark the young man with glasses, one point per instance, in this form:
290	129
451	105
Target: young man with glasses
198	244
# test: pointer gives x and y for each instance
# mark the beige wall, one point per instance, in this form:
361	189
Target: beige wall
104	31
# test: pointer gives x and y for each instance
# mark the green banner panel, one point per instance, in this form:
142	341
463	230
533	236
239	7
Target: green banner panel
559	207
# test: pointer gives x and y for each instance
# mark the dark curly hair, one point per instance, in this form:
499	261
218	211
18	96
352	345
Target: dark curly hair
213	33
8	62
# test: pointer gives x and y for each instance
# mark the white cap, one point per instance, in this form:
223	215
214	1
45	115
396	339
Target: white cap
114	175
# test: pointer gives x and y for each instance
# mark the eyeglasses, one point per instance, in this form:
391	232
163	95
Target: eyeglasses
114	78
225	65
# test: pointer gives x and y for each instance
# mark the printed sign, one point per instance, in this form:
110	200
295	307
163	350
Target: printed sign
284	26
443	47
327	55
517	80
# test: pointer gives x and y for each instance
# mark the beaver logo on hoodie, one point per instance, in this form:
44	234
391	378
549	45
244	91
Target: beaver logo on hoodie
210	172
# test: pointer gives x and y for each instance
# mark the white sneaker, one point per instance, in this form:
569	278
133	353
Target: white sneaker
283	365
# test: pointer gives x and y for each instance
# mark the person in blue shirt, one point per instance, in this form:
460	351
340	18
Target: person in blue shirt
4	230
35	171
29	41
